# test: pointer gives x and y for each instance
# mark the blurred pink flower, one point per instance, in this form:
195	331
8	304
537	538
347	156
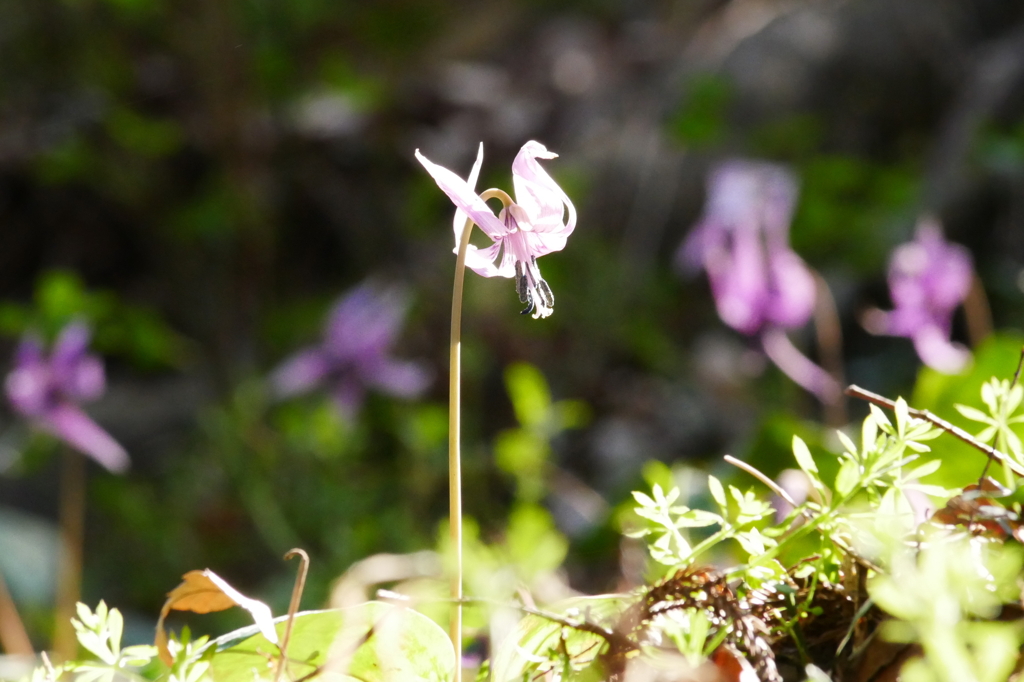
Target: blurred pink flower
928	278
535	225
47	391
761	287
355	353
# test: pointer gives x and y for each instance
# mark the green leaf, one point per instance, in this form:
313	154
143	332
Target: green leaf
847	478
372	642
717	492
973	413
803	457
529	393
539	644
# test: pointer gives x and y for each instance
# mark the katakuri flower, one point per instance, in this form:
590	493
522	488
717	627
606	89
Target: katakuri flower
761	287
47	391
928	278
355	353
537	223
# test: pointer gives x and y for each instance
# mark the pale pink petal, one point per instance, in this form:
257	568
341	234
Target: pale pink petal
938	352
28	389
538	193
798	367
73	426
482	261
739	282
300	373
465	198
71	345
793	291
460	216
401	379
365	321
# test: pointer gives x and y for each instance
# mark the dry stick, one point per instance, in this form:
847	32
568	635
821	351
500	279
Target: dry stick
13	637
293	606
454	426
72	532
857	392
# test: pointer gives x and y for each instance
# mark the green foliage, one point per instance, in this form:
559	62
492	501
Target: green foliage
119	328
701	121
525	452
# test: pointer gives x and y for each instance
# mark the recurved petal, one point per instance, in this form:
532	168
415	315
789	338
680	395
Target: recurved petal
938	352
790	302
538	194
71	345
365	321
300	373
83	380
460	216
464	197
401	379
482	261
70	424
28	389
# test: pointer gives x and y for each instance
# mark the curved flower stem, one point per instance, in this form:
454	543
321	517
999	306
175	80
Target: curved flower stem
454	427
72	533
830	346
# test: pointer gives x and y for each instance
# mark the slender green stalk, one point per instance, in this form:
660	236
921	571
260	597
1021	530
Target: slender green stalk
454	454
454	427
72	534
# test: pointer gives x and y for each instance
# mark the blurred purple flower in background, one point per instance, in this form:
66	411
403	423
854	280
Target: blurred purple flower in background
928	278
355	353
535	225
47	391
761	287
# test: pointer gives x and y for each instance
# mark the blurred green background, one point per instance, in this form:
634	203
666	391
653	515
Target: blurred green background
202	179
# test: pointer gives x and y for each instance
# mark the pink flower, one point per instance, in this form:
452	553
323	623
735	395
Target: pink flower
928	278
47	392
761	286
355	353
533	226
742	240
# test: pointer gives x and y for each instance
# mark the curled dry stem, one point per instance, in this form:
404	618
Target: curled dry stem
293	606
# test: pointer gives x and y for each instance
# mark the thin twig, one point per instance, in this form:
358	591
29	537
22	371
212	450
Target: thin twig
775	487
293	606
1020	362
858	392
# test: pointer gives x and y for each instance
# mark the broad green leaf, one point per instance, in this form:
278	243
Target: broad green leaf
371	642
